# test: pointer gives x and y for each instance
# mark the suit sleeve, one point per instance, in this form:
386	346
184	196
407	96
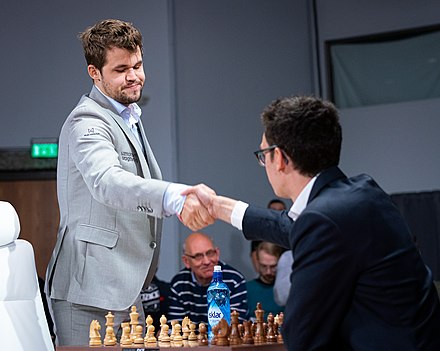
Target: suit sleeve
92	146
323	282
267	225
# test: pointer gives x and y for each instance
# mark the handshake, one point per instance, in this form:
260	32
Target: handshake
203	206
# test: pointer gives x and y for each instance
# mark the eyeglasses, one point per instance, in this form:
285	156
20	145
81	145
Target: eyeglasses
265	268
261	154
198	257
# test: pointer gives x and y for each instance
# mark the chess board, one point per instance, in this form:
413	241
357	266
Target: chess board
257	336
260	347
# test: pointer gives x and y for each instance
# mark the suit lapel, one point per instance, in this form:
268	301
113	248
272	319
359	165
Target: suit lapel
151	171
154	166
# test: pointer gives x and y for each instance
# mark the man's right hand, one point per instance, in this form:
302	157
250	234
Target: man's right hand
195	215
219	207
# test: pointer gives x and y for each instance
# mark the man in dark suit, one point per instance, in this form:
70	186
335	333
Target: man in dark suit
358	281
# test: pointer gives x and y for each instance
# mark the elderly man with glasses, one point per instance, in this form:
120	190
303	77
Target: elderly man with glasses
189	286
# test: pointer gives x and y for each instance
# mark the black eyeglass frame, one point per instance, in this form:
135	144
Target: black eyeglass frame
200	256
260	154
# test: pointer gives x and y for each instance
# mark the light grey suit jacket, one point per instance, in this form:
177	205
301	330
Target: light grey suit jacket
110	199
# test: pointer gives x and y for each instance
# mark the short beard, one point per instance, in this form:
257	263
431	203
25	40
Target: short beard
126	100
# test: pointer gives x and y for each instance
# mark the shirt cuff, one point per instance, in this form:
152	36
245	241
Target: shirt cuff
173	201
238	214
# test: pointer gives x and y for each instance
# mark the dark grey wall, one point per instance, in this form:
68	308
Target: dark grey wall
232	58
396	143
212	66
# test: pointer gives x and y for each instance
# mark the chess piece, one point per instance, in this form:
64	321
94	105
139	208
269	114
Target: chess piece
148	322
177	339
203	336
223	333
241	331
235	337
192	337
163	321
125	337
134	321
185	328
164	338
259	337
247	334
95	337
215	330
110	337
138	340
271	336
150	340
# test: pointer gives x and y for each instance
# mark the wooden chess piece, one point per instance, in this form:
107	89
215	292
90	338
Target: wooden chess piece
235	337
95	337
248	339
215	330
138	340
125	337
163	321
150	340
223	333
241	330
110	337
164	340
185	330
192	337
203	337
134	321
173	330
148	321
271	336
177	338
259	337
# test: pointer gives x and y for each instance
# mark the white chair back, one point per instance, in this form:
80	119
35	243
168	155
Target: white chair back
23	324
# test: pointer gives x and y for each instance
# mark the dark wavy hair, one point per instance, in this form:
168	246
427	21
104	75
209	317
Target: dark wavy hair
107	34
307	129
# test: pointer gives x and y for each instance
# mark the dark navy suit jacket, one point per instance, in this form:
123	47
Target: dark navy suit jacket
358	281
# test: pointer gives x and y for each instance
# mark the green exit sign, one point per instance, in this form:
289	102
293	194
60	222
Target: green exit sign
44	148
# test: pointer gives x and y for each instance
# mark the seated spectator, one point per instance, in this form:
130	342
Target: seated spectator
155	300
261	289
282	281
189	286
274	204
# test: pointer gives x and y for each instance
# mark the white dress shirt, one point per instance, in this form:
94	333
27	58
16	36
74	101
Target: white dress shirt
298	206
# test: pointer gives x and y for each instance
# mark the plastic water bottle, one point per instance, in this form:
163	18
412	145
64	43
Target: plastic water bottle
218	301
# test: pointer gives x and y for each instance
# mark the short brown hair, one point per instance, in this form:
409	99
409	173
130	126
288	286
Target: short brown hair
107	34
307	129
270	248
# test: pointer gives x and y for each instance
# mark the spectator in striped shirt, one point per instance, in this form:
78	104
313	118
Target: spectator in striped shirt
189	286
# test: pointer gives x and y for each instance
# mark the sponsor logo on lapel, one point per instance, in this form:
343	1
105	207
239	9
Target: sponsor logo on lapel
129	157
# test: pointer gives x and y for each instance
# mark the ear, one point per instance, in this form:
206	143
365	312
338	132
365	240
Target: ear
94	73
185	261
279	160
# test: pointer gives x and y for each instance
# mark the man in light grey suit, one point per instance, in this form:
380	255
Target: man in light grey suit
110	193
